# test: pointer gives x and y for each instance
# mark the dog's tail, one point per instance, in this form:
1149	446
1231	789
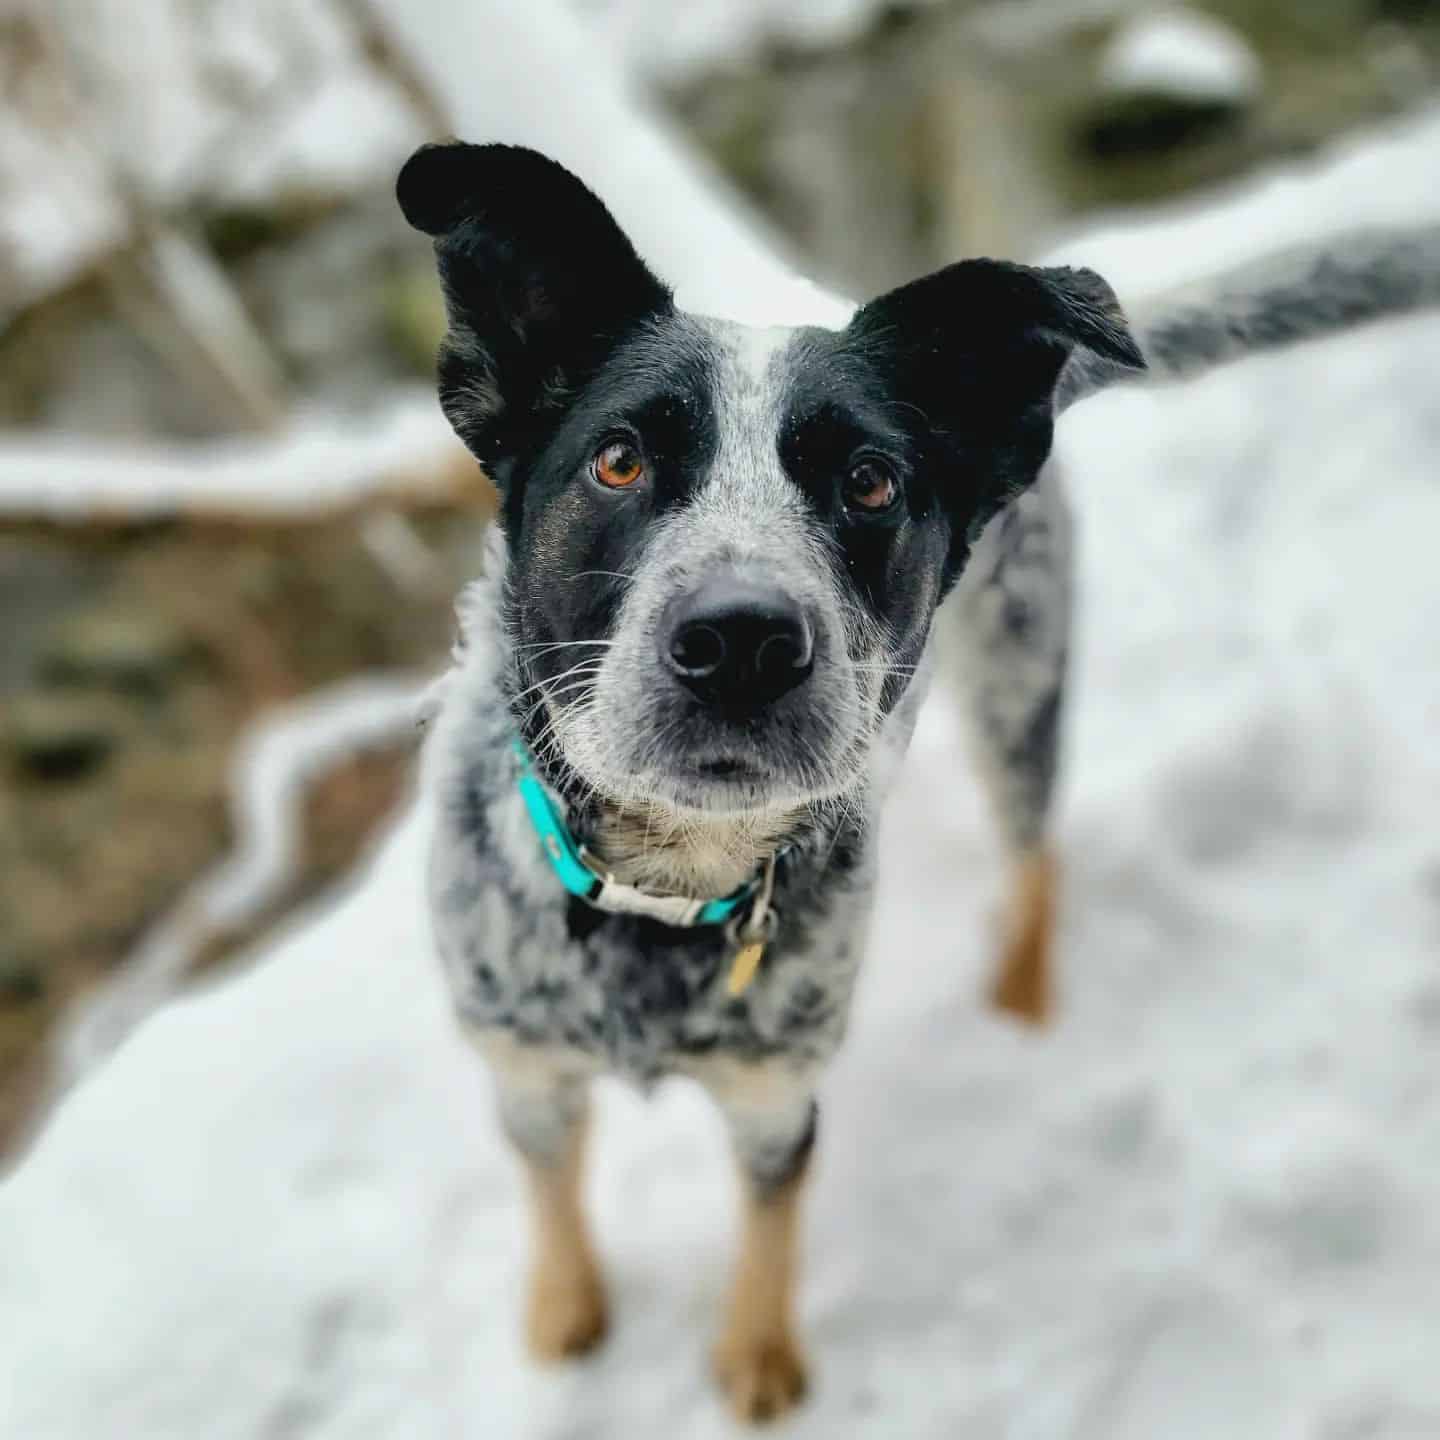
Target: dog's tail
1278	300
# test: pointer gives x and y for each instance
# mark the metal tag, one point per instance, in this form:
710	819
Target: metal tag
743	967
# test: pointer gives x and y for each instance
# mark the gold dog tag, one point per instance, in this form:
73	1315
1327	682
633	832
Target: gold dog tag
743	968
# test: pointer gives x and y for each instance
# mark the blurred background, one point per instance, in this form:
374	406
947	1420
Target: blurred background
228	505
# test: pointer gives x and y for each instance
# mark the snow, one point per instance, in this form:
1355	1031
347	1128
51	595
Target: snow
229	102
1185	53
1206	1202
51	227
720	32
1376	179
532	76
288	749
321	459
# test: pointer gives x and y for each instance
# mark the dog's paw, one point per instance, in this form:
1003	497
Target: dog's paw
567	1313
1023	987
1024	984
762	1377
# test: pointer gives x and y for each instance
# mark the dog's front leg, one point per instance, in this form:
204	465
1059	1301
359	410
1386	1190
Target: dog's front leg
544	1108
771	1114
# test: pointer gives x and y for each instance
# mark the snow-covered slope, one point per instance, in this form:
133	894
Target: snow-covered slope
1207	1203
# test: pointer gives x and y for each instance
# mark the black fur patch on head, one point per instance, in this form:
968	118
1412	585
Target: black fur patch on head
577	542
842	409
540	285
971	356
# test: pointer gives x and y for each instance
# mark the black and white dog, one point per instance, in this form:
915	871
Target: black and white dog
695	658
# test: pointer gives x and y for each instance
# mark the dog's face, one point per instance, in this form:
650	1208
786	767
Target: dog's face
726	544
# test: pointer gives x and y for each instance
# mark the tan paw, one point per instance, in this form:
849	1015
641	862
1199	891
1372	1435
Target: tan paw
762	1378
567	1313
1024	984
1023	988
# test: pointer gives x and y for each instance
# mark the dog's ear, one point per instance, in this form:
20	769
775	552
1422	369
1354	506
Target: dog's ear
540	284
978	349
993	328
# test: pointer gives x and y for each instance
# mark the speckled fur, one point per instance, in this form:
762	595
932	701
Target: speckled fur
642	1000
557	334
625	993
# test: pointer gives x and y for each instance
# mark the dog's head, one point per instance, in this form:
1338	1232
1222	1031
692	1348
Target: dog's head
726	545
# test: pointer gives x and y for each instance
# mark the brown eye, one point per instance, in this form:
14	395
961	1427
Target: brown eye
618	465
870	486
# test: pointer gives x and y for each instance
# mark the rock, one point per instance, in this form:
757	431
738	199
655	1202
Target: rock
1147	125
38	580
328	300
414	315
1412	10
1185	55
132	652
21	978
1168	80
58	736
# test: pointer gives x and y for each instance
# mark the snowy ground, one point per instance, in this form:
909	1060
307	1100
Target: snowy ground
280	756
1206	1204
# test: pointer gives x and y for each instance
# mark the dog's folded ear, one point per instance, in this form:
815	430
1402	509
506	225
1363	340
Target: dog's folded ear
977	349
996	332
540	284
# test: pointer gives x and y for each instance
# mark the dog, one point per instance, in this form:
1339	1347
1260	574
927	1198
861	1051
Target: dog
694	660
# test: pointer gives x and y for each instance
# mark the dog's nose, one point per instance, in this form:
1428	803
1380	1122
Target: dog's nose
737	642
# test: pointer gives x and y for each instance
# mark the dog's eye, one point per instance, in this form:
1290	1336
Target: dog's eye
870	486
617	465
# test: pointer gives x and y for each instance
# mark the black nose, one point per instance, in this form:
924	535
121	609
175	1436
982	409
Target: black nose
737	642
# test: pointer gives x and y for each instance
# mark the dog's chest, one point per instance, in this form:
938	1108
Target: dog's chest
635	996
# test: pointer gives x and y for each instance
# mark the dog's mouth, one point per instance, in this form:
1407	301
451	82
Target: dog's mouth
730	781
729	784
727	767
723	782
736	793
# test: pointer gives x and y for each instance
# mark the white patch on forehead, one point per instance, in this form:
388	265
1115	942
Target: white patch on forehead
755	347
746	502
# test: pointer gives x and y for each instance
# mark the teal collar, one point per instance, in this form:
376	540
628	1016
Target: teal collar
582	873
